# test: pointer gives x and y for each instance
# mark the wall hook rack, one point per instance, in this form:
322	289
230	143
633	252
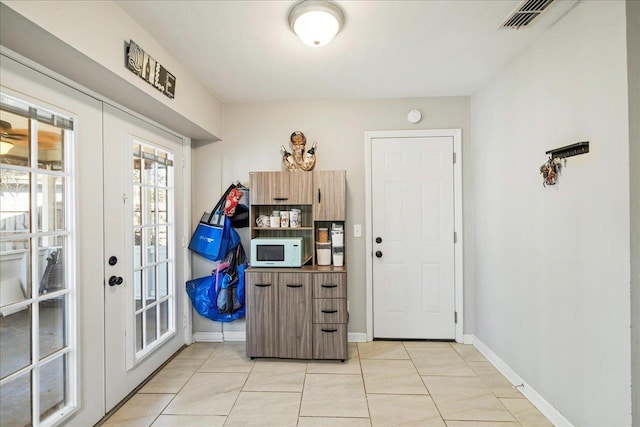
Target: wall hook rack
569	150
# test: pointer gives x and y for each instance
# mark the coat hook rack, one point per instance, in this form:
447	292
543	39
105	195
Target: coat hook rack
569	150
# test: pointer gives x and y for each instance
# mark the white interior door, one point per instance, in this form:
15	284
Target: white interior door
144	252
412	194
51	324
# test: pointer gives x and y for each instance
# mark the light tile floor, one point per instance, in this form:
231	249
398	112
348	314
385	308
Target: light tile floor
383	383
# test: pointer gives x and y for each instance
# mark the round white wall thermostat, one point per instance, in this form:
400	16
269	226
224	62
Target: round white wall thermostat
414	116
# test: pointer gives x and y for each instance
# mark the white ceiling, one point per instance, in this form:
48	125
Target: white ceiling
244	51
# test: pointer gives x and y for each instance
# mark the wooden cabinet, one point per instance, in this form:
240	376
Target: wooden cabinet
298	313
281	188
329	192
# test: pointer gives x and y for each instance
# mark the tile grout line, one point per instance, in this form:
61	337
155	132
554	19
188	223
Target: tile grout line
425	386
364	384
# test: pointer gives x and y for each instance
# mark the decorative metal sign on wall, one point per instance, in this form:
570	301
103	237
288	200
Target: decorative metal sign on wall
150	70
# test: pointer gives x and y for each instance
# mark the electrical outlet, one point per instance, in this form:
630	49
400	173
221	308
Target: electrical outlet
357	230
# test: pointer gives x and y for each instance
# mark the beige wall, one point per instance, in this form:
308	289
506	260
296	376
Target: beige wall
254	133
552	264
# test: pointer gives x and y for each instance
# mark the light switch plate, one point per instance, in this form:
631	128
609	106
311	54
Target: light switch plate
357	230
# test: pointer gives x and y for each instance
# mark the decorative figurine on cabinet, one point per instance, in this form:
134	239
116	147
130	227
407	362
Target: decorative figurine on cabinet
299	160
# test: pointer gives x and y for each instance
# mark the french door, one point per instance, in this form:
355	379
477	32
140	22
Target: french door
51	349
144	253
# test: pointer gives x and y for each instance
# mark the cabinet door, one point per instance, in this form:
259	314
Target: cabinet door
294	301
262	332
281	188
329	195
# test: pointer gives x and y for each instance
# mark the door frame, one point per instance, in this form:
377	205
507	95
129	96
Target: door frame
456	134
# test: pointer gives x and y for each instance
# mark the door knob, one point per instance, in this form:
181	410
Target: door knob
379	254
113	280
378	239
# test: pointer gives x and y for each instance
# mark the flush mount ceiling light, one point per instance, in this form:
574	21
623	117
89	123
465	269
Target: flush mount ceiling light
316	22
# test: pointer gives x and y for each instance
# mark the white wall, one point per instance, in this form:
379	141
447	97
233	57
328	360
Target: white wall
633	52
552	264
96	32
254	133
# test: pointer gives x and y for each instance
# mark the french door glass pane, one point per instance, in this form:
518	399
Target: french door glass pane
15	340
150	287
150	319
52	386
164	317
51	203
16	134
137	248
162	244
163	280
150	245
51	266
53	328
15	199
15	262
15	405
149	205
137	205
139	332
50	147
138	289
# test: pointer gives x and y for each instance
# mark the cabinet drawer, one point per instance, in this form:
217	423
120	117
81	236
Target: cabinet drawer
330	285
330	310
330	341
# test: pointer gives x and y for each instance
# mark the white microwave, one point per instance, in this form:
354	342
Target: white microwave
276	252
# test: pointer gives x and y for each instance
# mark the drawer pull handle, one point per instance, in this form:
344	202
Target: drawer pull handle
263	285
329	286
280	199
293	286
329	311
329	330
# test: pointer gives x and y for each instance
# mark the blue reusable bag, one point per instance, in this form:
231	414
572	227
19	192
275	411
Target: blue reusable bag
224	289
214	236
214	240
207	240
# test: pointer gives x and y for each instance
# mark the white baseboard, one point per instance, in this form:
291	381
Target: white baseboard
234	335
467	339
357	337
207	337
534	397
219	336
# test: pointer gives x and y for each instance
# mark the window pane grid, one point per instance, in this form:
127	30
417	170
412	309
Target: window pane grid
34	236
152	185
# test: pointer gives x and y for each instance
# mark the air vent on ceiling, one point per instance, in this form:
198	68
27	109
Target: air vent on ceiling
525	13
